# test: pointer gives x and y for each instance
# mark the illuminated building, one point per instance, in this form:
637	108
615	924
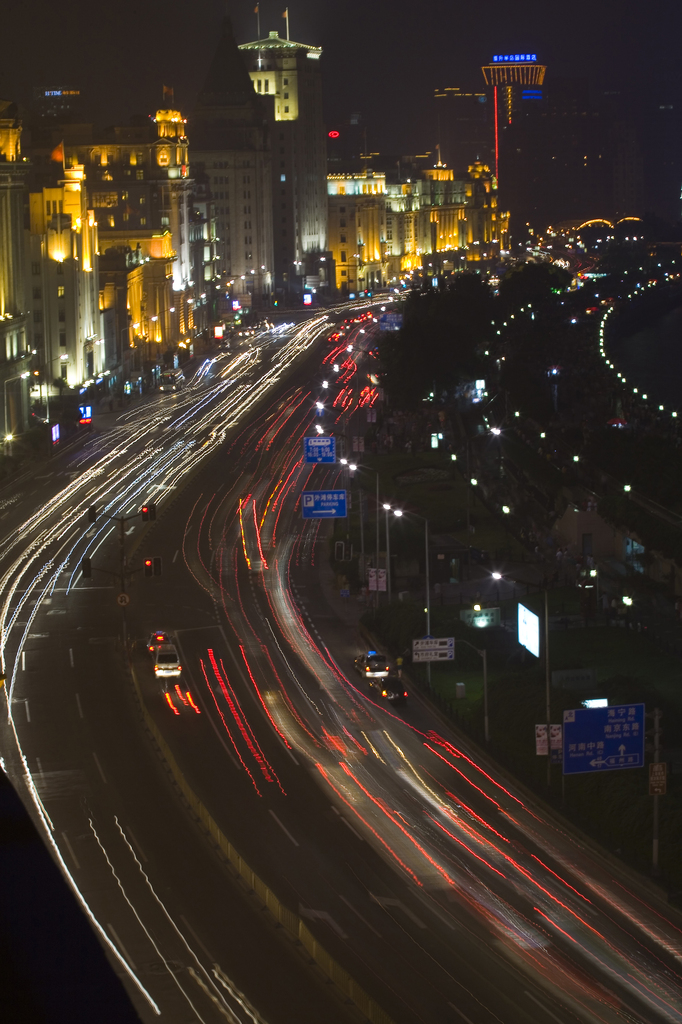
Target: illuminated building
65	282
14	302
357	230
287	77
380	228
231	146
56	102
138	184
465	127
513	77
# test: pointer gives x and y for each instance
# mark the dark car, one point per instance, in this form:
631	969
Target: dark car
158	637
390	688
372	665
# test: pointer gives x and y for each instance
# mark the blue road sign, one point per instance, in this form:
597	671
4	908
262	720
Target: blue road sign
602	739
323	504
390	321
319	449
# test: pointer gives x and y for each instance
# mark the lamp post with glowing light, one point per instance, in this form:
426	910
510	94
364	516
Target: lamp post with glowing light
427	607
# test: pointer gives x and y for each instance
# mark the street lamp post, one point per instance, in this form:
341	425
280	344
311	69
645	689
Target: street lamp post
427	608
388	555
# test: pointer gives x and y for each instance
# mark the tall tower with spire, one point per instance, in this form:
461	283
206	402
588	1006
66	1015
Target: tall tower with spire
231	144
286	77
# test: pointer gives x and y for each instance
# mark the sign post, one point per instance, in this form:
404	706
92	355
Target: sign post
431	648
657	786
319	449
323	504
603	739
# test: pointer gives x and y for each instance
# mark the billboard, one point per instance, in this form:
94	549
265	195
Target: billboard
529	630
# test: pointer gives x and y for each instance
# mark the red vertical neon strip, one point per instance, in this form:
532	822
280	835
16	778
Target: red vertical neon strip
497	143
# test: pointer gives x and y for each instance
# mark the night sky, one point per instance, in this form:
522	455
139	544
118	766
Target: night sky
381	58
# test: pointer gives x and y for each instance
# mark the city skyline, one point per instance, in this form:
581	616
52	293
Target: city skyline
362	72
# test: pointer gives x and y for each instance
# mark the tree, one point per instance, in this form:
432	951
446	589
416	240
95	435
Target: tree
438	344
536	283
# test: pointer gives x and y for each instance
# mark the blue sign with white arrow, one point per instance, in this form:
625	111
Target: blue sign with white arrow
319	449
323	504
603	739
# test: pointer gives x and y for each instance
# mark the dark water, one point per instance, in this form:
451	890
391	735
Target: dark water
651	359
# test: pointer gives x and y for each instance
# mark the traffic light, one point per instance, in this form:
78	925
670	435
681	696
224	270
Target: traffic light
157	565
148	513
92	514
86	569
148	567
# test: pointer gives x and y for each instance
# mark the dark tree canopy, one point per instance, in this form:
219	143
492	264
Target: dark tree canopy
437	346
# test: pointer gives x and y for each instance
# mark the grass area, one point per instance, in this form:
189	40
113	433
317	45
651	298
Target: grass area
431	485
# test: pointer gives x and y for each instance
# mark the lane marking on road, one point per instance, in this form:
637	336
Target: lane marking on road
347	823
71	657
80	709
40	765
104	778
462	1015
321	915
128	532
285	830
358	914
74	858
384	901
176	554
194	935
23	661
121	946
28	713
137	846
543	1007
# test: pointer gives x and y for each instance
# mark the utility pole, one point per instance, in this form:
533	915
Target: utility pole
376	563
388	556
547	692
657	758
152	567
361	498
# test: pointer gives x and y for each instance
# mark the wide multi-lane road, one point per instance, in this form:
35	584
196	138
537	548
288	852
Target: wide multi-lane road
443	891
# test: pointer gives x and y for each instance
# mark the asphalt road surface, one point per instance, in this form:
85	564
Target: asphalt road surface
445	892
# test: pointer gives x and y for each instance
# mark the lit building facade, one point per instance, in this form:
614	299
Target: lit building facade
378	229
287	77
231	147
15	345
64	278
513	78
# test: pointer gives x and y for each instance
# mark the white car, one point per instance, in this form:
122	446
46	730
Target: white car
166	662
372	665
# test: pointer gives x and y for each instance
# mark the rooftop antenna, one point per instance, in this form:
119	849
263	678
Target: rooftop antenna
256	11
286	16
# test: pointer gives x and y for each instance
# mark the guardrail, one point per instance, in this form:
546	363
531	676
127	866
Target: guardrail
288	919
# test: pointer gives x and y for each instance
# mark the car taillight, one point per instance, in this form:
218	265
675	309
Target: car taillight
384	693
405	693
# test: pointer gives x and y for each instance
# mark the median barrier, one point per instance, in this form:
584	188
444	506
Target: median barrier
285	918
